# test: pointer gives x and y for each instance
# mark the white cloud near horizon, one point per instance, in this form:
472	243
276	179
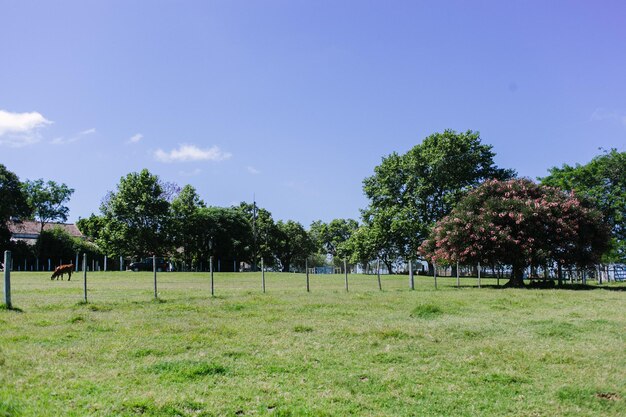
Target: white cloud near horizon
20	129
604	114
80	135
191	153
135	138
252	170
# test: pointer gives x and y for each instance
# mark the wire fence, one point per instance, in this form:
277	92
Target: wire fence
25	288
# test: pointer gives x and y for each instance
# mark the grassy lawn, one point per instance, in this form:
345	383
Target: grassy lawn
445	352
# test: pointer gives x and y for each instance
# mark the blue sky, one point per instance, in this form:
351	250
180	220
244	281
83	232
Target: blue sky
298	101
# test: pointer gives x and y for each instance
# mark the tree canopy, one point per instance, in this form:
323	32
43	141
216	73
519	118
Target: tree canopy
12	202
603	182
520	224
47	200
330	238
408	193
292	244
136	217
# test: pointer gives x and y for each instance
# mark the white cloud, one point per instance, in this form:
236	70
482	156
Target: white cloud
20	129
191	153
253	170
80	135
135	138
600	114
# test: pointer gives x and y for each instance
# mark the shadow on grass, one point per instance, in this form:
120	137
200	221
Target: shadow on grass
552	286
4	307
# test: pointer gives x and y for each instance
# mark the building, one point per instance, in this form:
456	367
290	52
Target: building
28	230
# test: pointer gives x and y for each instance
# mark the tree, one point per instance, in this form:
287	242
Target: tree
223	233
58	244
186	223
603	182
136	217
12	203
362	246
330	236
293	244
264	233
520	224
47	200
409	193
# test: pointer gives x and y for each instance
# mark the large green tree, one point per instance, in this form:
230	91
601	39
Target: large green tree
408	193
330	238
264	233
187	225
223	233
136	217
12	203
603	182
293	245
47	200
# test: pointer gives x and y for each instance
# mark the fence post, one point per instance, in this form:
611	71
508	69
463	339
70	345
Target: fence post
211	269
411	278
458	280
262	275
380	285
435	274
154	270
478	274
7	279
85	276
306	268
345	270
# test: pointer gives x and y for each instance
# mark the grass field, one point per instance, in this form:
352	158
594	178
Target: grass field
445	352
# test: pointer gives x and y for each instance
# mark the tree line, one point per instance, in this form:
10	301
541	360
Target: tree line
443	201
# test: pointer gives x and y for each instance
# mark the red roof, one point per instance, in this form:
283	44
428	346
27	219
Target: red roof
29	229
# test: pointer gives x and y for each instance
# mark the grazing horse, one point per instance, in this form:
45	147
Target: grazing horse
61	270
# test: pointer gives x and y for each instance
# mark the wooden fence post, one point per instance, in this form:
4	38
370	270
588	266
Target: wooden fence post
85	276
458	280
411	278
345	270
435	274
211	269
263	275
478	274
306	267
7	279
154	269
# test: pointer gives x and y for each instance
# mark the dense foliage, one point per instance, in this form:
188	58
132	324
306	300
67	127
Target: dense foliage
12	203
518	223
136	217
603	182
293	245
409	193
47	200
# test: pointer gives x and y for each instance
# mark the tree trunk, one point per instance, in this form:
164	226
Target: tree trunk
389	267
517	277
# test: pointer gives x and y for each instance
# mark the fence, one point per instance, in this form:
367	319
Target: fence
134	287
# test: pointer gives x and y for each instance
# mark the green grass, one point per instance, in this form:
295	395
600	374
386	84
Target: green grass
445	352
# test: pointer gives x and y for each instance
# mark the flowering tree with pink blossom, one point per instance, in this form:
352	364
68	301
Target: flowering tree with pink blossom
520	224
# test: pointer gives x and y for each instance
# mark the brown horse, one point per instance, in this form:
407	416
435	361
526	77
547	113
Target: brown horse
61	270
